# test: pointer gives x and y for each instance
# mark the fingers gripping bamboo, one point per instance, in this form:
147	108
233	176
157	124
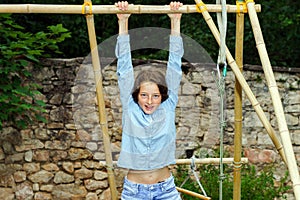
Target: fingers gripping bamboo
101	103
231	62
283	129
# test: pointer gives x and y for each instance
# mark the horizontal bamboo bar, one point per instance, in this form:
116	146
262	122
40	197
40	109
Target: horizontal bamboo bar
110	9
208	161
201	161
194	194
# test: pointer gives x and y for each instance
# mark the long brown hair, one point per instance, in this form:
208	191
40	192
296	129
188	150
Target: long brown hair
153	76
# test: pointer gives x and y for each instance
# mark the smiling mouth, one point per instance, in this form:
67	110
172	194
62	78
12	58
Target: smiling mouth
149	108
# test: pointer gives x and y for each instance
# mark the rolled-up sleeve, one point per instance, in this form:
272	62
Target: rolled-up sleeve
123	54
124	68
174	72
176	45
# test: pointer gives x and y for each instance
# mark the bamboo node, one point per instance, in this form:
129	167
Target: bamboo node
284	131
238	120
27	8
239	4
296	184
230	62
90	8
201	7
279	148
97	71
273	86
254	104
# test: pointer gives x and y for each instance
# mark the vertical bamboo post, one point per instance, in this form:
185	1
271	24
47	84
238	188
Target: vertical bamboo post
101	103
238	115
283	129
242	81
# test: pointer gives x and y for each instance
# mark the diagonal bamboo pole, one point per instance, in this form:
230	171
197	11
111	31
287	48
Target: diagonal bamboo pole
101	103
283	129
238	115
194	194
243	82
108	9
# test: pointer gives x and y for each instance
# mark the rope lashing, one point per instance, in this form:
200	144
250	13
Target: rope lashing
201	7
237	164
243	4
90	8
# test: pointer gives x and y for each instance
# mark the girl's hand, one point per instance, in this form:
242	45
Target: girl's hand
175	6
122	5
175	18
123	18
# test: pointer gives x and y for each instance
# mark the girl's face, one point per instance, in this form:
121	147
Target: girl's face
149	97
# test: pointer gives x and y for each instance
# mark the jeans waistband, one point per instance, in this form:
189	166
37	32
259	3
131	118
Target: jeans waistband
164	183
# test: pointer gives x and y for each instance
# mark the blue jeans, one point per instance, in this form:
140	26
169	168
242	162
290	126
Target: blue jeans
165	190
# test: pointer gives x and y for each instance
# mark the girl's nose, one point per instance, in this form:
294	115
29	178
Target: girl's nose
150	99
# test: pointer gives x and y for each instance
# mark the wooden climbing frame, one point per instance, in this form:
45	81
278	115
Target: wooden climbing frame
286	150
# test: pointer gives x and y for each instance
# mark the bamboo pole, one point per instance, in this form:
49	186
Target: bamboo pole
194	194
238	115
108	9
214	161
101	103
279	112
243	82
208	161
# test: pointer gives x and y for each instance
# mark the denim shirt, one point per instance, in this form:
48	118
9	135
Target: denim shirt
148	141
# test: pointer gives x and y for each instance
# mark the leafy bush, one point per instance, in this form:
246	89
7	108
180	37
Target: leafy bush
20	51
254	185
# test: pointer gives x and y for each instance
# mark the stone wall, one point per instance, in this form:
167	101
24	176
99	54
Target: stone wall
65	159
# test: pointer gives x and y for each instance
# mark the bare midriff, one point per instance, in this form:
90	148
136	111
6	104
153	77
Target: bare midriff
149	176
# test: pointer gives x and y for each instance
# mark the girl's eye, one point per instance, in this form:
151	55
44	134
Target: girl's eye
143	95
156	96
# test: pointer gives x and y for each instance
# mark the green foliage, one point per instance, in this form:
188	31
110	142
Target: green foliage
21	51
258	79
254	185
262	186
279	22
